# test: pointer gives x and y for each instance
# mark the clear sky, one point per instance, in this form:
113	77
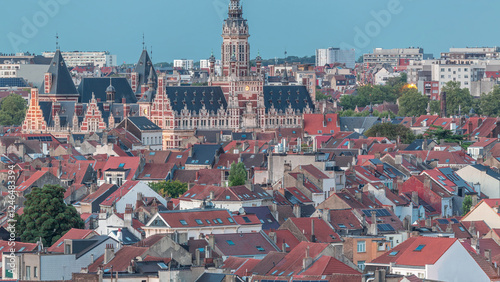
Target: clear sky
191	28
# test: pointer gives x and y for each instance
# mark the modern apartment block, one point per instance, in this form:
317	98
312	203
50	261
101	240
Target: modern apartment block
335	55
472	53
83	58
392	56
184	64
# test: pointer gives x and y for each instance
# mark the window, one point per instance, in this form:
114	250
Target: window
421	275
361	265
219	220
183	222
121	165
260	249
199	222
361	246
230	220
341	225
28	272
228	197
35	270
230	242
419	248
393	253
381	246
246	219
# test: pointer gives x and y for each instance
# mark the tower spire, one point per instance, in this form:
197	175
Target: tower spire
57	41
143	43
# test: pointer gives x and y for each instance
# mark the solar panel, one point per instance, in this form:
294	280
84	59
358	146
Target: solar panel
379	212
385	227
443	221
454	220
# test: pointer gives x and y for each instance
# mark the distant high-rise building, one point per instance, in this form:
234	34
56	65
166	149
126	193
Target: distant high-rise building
82	58
184	64
472	53
335	55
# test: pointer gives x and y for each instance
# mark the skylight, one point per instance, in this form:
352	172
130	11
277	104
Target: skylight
230	220
162	265
260	249
183	222
230	242
199	222
419	248
393	253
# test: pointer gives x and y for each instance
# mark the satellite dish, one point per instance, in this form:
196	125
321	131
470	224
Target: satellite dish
241	210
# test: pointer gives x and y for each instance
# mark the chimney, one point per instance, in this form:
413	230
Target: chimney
283	246
139	202
472	228
307	261
211	241
359	196
272	236
127	217
313	237
414	198
487	255
373	226
428	222
427	183
109	253
474	242
475	199
380	168
424	145
297	210
198	257
443	104
350	144
212	195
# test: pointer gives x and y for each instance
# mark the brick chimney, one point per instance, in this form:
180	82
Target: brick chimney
307	261
109	253
414	198
373	225
313	237
297	210
127	217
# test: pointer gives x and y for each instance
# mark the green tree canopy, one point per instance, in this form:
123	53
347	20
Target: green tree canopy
457	97
435	107
466	204
237	174
47	216
172	189
391	131
412	103
490	103
320	96
12	110
439	133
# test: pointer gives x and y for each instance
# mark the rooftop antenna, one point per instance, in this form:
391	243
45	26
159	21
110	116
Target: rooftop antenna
143	44
151	53
57	41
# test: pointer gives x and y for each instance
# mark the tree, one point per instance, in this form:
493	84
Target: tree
172	189
46	216
466	204
391	131
439	133
457	97
412	103
435	107
320	96
490	103
12	110
237	174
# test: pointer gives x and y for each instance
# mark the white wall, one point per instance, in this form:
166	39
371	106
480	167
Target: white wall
456	265
131	196
489	185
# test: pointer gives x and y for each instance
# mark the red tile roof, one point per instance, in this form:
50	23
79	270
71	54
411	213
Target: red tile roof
285	236
326	265
292	262
314	171
243	244
73	233
28	183
131	163
102	189
319	124
121	260
119	193
174	218
322	230
433	249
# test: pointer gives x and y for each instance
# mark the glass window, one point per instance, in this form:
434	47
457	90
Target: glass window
361	246
361	265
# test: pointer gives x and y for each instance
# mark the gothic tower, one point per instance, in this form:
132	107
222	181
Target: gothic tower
235	41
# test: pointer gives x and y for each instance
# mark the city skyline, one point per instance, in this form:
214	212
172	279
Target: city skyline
274	27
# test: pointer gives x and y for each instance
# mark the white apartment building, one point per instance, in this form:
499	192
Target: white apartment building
82	58
205	64
9	70
465	74
335	55
184	64
392	56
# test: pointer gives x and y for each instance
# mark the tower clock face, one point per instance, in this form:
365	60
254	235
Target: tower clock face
145	111
247	88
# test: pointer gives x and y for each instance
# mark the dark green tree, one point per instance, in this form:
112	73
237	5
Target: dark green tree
391	131
172	189
412	103
237	174
439	133
466	204
457	97
12	110
435	107
490	103
320	96
46	216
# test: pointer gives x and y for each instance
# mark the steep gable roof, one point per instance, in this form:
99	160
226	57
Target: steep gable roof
62	83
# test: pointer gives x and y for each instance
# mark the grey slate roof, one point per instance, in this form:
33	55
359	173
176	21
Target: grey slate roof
143	123
62	83
204	154
282	96
193	98
353	123
143	68
98	86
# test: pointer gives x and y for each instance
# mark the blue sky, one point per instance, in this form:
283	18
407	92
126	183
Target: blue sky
191	28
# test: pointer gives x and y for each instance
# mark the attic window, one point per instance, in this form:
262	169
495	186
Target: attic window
230	220
419	248
147	175
461	228
260	249
187	195
341	225
162	265
199	222
21	249
121	165
219	220
152	153
393	253
228	197
246	219
179	157
230	242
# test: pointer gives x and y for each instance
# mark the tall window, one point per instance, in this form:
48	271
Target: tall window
28	272
361	265
361	247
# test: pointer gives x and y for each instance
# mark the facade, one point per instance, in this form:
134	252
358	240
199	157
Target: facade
82	58
463	73
236	100
472	53
184	64
335	55
392	56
